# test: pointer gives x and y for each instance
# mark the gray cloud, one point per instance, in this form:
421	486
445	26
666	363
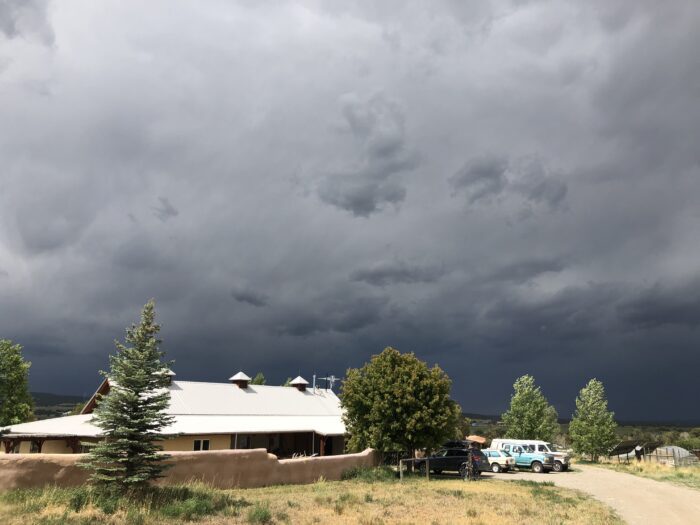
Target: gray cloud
523	271
251	297
377	124
396	272
344	316
166	210
25	17
492	176
661	306
481	177
540	257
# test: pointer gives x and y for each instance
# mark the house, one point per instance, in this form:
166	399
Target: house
211	416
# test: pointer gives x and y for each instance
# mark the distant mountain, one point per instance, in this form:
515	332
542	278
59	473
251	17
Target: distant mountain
54	405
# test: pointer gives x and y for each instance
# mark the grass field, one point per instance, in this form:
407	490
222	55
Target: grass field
686	476
361	501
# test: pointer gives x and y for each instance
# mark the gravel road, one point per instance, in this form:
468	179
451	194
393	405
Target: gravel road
637	500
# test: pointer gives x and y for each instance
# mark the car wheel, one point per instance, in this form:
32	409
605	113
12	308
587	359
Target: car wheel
537	467
421	469
495	468
558	467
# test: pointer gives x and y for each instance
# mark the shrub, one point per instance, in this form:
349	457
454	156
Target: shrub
260	514
369	474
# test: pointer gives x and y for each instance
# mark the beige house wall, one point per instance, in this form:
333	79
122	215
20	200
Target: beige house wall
222	469
284	442
186	443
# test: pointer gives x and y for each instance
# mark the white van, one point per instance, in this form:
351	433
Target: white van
561	458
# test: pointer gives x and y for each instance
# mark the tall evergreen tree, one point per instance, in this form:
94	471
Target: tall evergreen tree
593	426
530	416
16	403
132	414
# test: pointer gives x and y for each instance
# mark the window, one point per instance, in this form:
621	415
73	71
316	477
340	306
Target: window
34	448
506	448
201	444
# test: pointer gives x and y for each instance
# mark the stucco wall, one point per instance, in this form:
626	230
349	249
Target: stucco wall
219	468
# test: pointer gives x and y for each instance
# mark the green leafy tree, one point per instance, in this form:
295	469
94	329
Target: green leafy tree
259	379
132	414
395	402
288	382
530	416
16	403
593	428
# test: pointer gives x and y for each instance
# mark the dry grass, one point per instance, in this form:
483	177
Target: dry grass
685	476
354	501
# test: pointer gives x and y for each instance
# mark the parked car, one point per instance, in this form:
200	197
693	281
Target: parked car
562	459
526	457
499	460
450	459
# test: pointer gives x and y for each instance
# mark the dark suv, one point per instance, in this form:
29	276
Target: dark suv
450	459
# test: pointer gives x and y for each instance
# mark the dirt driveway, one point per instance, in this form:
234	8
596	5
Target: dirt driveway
637	500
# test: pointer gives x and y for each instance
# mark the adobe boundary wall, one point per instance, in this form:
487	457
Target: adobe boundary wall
218	468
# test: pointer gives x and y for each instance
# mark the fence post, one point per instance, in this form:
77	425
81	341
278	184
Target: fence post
427	469
400	469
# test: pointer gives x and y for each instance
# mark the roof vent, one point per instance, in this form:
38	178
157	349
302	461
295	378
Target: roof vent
240	380
299	383
171	376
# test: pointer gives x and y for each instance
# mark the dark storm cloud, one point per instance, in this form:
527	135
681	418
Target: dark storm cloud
396	272
501	182
523	271
663	305
251	297
342	315
377	125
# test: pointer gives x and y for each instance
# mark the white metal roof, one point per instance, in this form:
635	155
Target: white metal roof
240	376
194	425
222	408
298	380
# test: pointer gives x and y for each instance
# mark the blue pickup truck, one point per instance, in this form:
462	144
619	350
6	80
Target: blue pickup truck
526	458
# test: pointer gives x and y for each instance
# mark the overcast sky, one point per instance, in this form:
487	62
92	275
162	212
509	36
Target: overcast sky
502	187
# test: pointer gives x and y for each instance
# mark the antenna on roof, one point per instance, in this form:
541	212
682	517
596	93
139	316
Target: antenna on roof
330	381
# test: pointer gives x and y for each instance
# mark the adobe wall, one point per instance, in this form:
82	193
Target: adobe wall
219	468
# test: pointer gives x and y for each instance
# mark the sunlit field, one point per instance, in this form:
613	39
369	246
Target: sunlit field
364	501
686	476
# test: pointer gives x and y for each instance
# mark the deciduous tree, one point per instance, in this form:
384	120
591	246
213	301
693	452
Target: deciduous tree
132	414
530	416
396	403
16	403
592	427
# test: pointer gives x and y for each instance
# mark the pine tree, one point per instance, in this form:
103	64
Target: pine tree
592	427
530	416
132	414
259	379
16	403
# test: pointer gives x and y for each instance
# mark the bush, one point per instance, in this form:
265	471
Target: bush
260	514
369	474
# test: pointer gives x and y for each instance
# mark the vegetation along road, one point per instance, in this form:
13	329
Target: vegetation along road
637	500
